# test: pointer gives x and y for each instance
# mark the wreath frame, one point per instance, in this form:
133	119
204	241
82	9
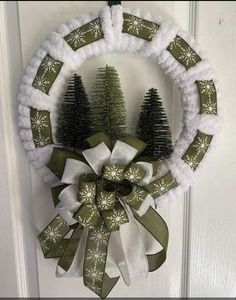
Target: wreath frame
176	174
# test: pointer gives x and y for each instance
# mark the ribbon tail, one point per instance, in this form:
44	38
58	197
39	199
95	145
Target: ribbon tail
157	227
52	239
66	260
94	267
136	263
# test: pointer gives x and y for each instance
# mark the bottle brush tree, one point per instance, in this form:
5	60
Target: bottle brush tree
73	115
153	126
109	114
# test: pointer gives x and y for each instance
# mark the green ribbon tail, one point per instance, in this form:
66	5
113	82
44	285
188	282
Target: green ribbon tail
52	239
95	277
68	255
157	227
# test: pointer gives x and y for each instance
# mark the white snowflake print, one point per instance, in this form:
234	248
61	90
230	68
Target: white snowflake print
93	274
99	236
202	144
134	24
209	107
41	141
117	218
40	82
49	64
52	234
96	256
87	194
76	37
95	28
105	201
133	175
139	194
86	222
191	161
176	43
188	56
39	121
162	187
152	29
207	87
44	245
113	173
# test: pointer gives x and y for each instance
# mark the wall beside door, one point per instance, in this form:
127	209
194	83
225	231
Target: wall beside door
201	256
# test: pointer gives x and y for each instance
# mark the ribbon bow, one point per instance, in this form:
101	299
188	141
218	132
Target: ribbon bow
105	200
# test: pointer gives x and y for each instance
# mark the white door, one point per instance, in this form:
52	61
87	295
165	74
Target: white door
201	258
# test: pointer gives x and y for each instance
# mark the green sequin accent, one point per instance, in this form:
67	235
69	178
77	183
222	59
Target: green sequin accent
141	28
41	127
85	34
47	74
182	52
162	185
197	149
208	97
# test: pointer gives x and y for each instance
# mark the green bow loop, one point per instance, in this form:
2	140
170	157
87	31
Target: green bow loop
87	192
100	191
134	173
114	172
136	198
115	217
58	160
106	198
98	138
87	215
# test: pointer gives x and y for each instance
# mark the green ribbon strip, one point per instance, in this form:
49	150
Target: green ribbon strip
41	127
138	27
47	74
183	53
85	34
101	212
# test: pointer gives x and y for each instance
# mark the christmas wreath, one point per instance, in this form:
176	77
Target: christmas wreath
104	182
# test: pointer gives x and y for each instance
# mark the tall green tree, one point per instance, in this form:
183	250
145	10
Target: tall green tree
74	115
109	114
153	126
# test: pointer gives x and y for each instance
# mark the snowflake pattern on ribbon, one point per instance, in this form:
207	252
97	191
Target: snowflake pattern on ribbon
113	172
95	258
117	218
197	149
182	52
41	127
208	97
139	27
105	201
162	185
85	34
87	194
47	74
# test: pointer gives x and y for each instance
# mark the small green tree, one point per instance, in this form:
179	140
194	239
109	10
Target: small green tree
153	126
73	115
109	114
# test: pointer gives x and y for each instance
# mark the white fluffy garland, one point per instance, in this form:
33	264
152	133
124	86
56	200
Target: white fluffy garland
115	40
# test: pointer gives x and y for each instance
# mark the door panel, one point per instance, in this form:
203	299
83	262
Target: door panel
201	256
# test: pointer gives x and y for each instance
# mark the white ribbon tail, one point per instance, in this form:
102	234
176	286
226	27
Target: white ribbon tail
68	204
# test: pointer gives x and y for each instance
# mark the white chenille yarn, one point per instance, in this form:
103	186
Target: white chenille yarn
115	40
